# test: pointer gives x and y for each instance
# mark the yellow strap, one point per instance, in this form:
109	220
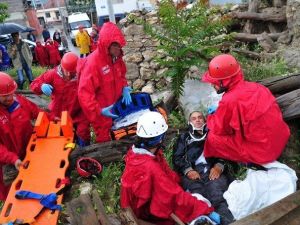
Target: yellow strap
70	145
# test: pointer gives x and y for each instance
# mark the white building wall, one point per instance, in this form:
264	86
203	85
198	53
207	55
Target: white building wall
52	11
119	6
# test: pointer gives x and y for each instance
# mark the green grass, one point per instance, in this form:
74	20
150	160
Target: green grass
36	71
108	186
176	119
255	70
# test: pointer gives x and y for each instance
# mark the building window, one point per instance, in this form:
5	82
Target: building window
57	14
117	1
48	15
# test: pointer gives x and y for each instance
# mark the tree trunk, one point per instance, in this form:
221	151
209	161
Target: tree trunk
253	7
290	104
111	151
250	54
272	16
253	37
282	84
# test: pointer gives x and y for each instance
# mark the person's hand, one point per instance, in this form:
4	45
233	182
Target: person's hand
215	217
193	175
107	112
211	109
215	172
18	163
47	89
126	95
56	119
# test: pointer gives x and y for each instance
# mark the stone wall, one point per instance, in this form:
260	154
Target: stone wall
143	72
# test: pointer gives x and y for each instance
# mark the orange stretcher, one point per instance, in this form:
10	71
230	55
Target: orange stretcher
44	168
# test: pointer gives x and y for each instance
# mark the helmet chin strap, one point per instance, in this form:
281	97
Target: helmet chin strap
222	88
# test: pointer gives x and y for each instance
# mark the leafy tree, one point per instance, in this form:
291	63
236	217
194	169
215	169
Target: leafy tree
3	12
187	37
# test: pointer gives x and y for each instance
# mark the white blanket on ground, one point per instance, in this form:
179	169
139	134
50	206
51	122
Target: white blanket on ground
260	189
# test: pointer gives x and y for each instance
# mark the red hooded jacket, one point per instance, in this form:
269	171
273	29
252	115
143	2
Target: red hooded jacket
63	98
41	54
53	52
16	130
101	79
248	124
152	190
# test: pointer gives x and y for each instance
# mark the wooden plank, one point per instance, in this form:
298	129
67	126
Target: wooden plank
282	84
81	211
277	213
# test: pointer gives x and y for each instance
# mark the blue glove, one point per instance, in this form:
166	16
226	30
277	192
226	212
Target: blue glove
107	112
126	95
211	109
47	89
215	217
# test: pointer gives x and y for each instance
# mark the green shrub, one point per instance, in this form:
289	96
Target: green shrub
255	70
187	37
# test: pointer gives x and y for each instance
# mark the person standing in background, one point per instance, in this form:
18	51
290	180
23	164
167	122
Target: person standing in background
83	42
21	56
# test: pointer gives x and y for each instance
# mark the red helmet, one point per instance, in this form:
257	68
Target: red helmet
7	84
87	167
221	67
69	62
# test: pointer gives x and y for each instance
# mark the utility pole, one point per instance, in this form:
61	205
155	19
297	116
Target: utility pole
111	11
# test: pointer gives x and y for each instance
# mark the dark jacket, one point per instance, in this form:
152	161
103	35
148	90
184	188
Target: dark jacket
186	152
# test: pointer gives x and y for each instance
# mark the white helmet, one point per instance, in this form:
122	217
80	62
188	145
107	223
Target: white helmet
151	124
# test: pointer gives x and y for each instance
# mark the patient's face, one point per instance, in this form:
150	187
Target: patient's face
197	119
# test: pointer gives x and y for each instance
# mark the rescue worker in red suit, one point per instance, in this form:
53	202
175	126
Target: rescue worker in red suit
150	187
53	52
16	113
247	126
61	84
41	54
103	81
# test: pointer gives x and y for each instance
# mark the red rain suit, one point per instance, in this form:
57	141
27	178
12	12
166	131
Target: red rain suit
152	190
248	124
41	54
102	81
16	130
63	98
53	52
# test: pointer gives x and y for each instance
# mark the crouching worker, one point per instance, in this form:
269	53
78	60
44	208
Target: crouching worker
199	174
150	187
61	84
16	113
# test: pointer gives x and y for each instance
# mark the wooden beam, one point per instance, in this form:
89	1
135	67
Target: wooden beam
253	37
285	211
276	17
282	84
250	54
290	104
252	8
